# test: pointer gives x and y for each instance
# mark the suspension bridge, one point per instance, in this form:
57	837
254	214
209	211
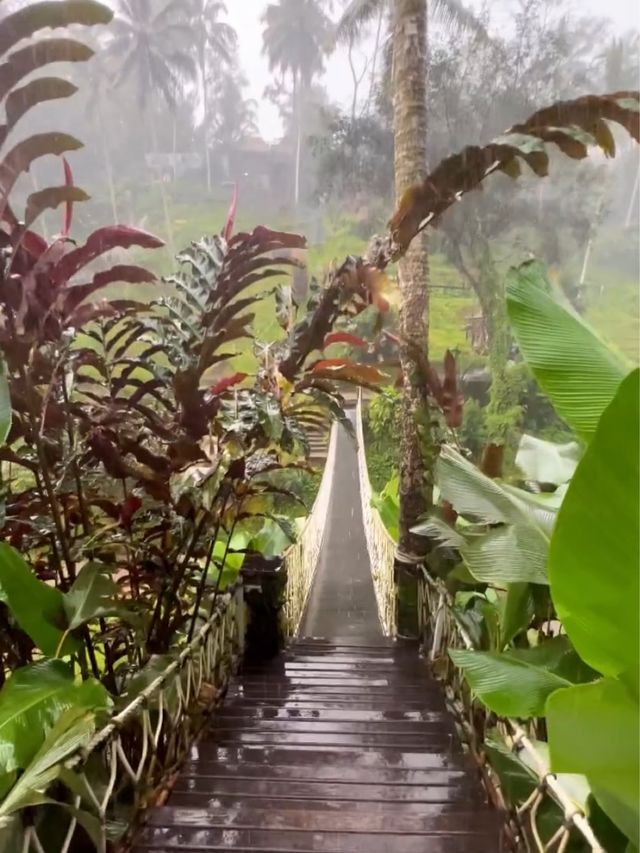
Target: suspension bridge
343	743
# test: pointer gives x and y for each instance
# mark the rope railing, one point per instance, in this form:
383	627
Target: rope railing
109	781
301	559
380	543
441	631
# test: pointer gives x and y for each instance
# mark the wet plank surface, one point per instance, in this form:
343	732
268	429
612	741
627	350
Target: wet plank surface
345	772
341	745
343	565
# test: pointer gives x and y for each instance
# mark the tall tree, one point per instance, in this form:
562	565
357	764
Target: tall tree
408	24
453	14
620	71
154	50
296	39
215	43
417	449
232	117
98	73
475	91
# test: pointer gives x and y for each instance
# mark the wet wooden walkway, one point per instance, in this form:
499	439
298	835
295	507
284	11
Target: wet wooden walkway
341	745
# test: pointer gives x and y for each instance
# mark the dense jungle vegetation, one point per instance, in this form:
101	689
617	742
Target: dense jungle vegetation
164	355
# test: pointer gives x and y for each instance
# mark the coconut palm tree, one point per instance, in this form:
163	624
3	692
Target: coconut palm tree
452	14
620	71
233	117
215	43
153	49
99	74
407	45
417	452
296	41
620	61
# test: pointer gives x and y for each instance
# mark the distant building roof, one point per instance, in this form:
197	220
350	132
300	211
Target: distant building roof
257	145
254	143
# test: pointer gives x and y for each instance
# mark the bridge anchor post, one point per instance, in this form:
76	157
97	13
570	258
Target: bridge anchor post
406	582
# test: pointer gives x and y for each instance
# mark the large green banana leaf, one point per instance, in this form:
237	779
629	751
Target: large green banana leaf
577	370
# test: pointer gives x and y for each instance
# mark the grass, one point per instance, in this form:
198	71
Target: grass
614	310
613	302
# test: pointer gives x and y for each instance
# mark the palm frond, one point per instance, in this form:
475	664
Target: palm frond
456	16
355	17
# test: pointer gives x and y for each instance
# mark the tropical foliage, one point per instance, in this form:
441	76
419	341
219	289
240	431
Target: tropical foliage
532	562
139	466
541	644
141	462
152	47
573	126
296	40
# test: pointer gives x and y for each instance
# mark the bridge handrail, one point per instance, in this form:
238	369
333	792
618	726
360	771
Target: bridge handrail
441	631
301	558
140	747
380	544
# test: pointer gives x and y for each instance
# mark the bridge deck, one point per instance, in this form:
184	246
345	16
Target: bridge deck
342	602
341	744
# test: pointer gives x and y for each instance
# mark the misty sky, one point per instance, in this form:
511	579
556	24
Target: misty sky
245	17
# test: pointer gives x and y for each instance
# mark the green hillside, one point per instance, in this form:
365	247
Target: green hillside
612	298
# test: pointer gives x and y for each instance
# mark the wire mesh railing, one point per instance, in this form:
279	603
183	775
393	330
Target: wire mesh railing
528	821
380	544
106	783
301	559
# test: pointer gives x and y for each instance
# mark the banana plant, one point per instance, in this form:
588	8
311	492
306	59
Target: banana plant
579	372
586	683
585	680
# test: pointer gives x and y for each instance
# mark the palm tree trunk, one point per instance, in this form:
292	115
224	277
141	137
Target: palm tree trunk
417	452
298	119
163	190
205	120
503	409
354	77
174	145
632	200
374	60
357	80
107	160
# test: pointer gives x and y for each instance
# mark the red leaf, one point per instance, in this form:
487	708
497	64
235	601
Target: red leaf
96	310
31	242
68	209
448	513
20	158
129	274
343	338
450	377
379	302
128	509
452	399
34	244
325	363
226	383
375	282
348	371
227	231
101	241
396	340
